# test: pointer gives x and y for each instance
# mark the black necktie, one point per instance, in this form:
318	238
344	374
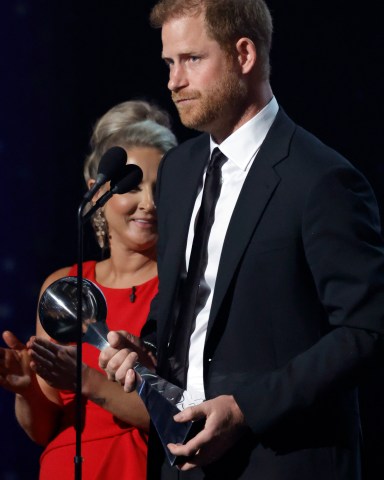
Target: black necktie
185	324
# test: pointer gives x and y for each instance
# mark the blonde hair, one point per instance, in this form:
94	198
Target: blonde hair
129	124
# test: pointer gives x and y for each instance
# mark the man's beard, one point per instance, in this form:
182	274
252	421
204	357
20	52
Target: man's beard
213	108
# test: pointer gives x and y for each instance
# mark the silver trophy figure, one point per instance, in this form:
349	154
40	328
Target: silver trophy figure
58	316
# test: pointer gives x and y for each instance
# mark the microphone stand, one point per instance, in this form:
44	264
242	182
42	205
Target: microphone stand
133	176
79	340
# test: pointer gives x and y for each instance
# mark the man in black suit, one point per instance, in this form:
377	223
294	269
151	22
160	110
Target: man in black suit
290	303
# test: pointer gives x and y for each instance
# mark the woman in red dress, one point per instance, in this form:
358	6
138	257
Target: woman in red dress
43	373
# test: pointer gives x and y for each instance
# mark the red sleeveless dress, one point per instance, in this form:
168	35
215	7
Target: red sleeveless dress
110	448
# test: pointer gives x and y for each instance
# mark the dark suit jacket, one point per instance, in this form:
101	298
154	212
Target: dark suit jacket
298	305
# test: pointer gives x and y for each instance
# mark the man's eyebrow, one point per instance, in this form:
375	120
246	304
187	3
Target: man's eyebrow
166	58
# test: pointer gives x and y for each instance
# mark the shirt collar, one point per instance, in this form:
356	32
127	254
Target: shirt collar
243	144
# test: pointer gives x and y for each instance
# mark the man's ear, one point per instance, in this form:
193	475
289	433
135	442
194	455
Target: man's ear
246	54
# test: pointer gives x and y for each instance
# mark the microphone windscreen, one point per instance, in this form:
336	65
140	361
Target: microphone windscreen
132	178
112	163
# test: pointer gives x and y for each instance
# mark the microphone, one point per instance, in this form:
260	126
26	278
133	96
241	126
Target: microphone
111	167
133	176
130	177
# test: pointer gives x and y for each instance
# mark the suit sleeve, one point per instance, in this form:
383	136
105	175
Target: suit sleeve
149	330
344	250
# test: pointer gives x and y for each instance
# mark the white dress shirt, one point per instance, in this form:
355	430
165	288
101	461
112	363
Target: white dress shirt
241	149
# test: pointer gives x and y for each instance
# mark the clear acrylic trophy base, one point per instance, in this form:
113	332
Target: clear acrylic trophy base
163	400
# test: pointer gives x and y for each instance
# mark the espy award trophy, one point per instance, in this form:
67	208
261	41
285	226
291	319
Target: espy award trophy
58	316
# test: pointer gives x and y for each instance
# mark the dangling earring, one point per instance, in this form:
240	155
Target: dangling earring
101	229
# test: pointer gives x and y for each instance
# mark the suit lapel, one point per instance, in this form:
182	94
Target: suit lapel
188	170
258	188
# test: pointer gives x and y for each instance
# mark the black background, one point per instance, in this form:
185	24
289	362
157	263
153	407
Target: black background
64	63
